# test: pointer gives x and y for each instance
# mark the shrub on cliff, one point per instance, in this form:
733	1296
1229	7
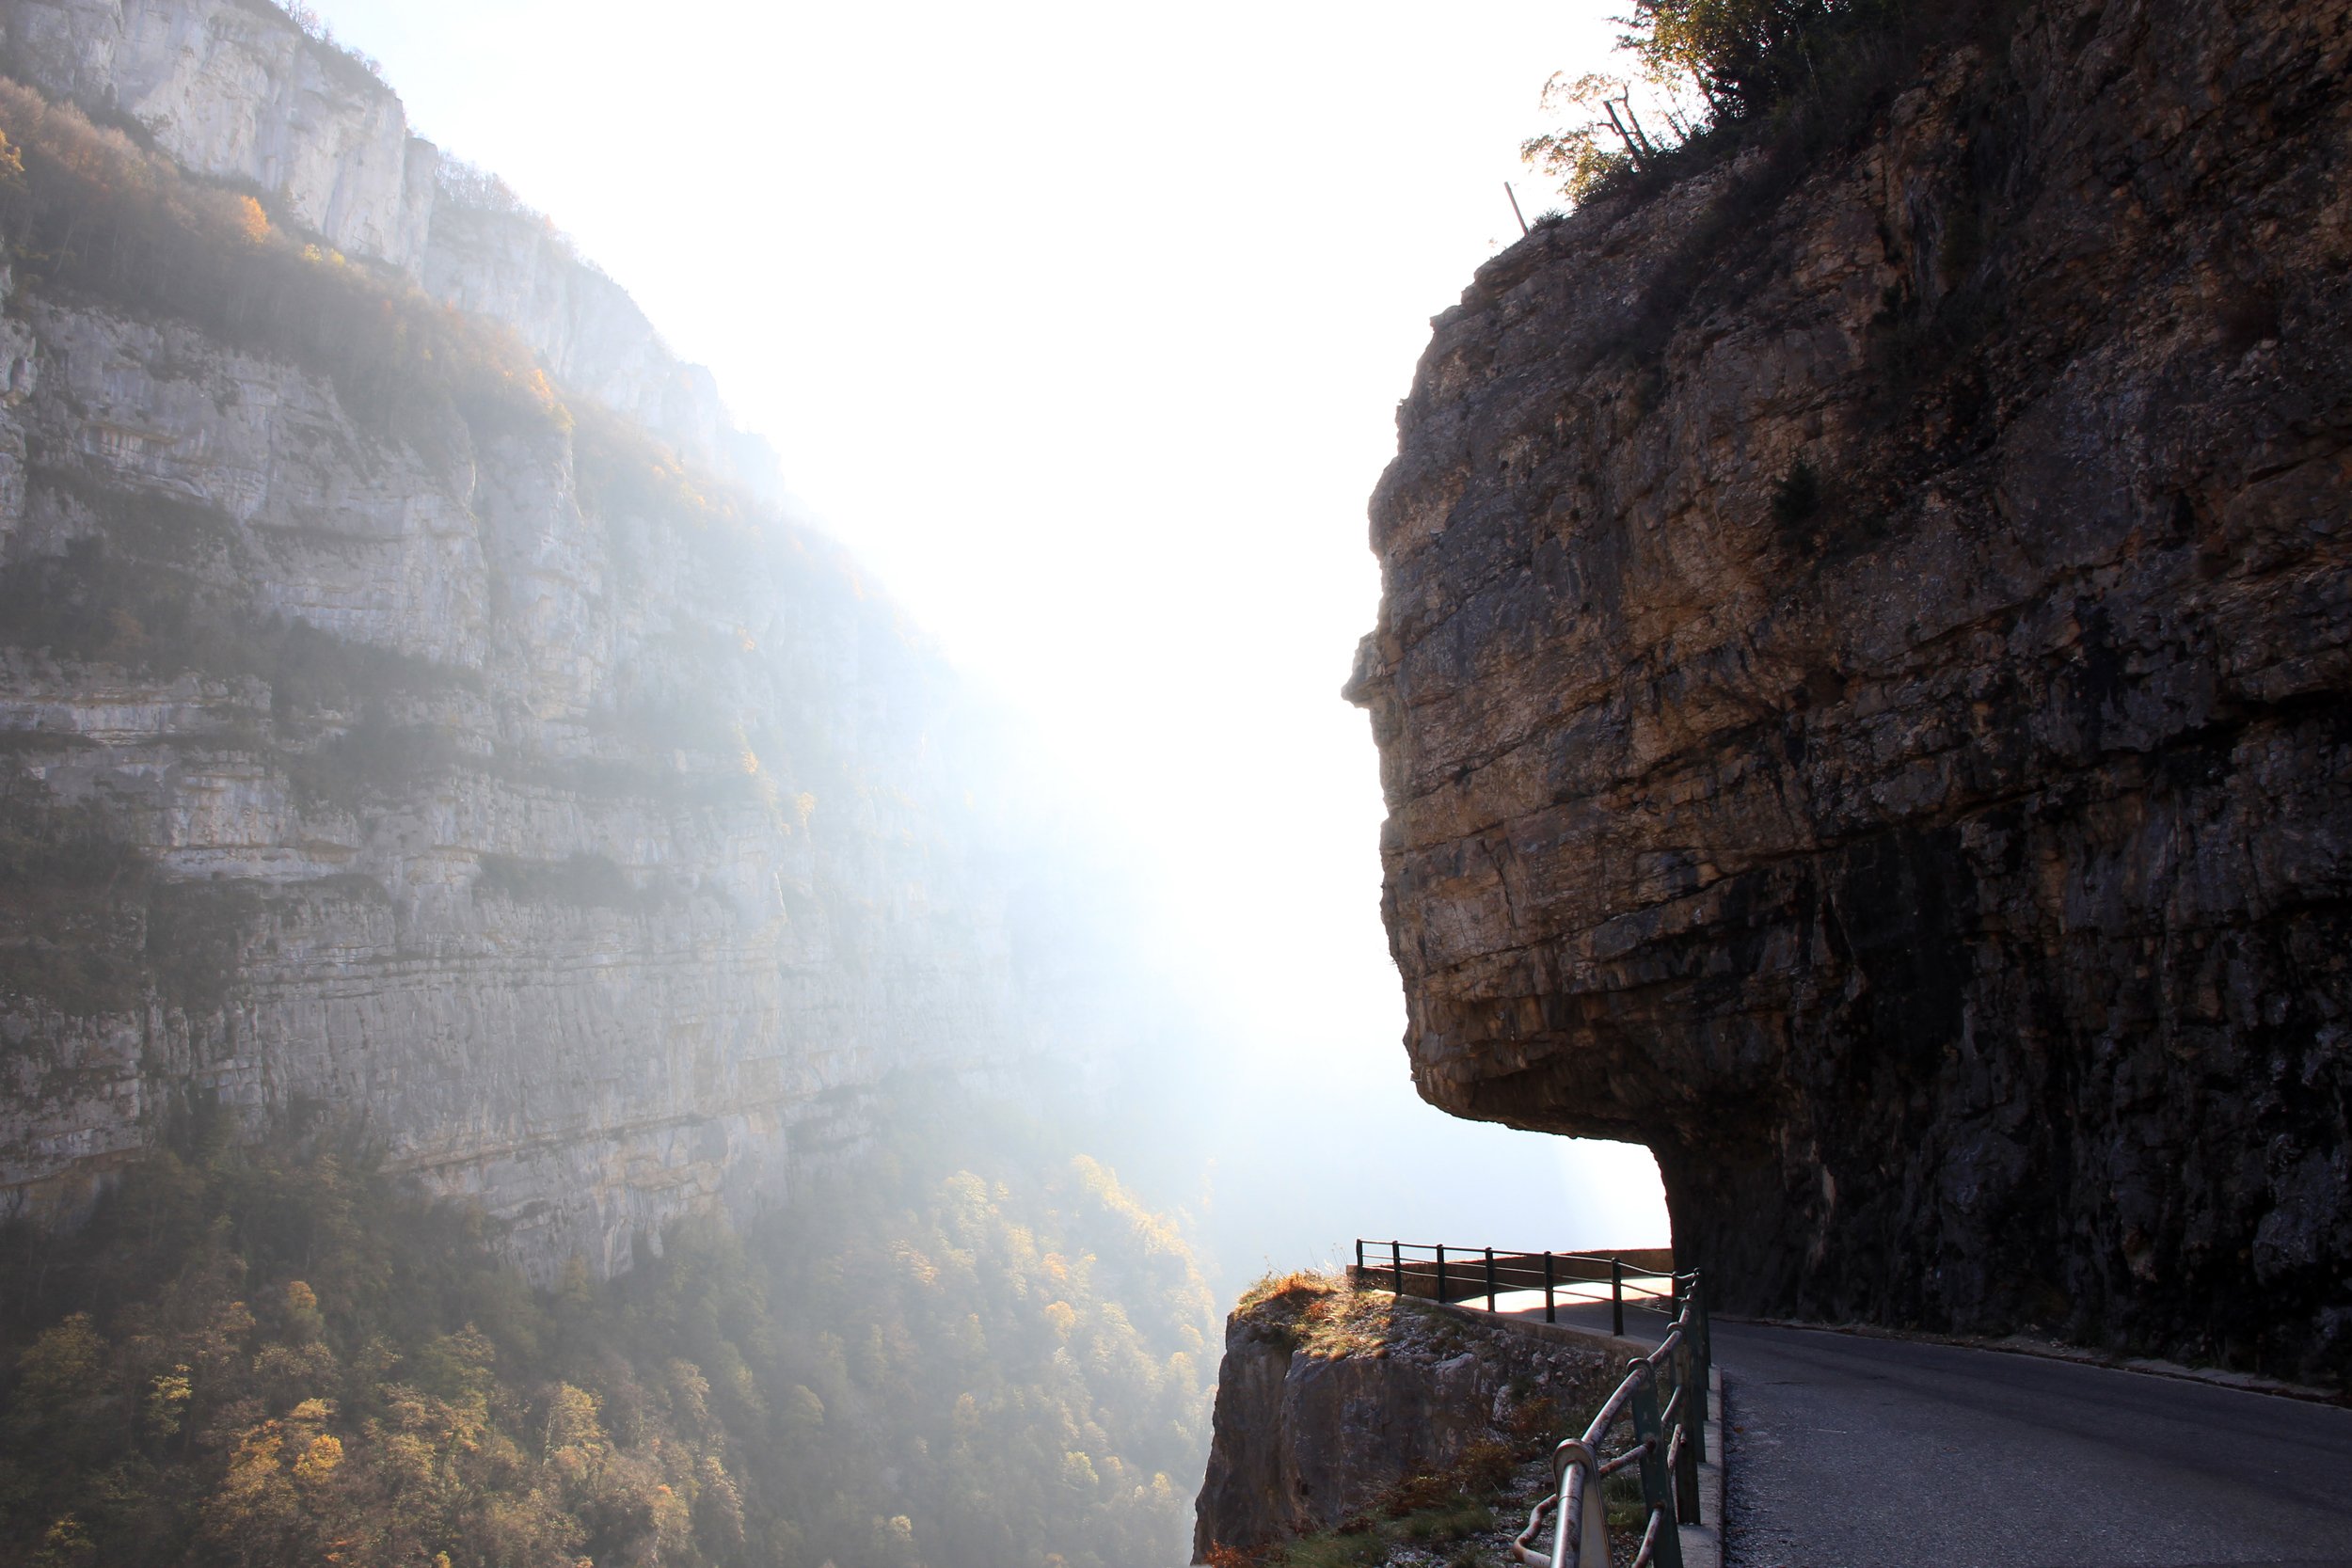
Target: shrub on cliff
1744	56
1716	75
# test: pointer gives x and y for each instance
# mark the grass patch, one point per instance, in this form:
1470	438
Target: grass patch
1454	1518
1321	1314
1621	1497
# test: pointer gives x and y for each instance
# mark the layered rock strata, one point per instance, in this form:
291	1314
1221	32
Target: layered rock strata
461	765
1862	690
586	853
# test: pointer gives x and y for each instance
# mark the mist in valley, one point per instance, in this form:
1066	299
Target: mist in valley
1084	331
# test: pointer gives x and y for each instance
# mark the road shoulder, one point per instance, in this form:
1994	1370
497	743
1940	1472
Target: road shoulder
2080	1356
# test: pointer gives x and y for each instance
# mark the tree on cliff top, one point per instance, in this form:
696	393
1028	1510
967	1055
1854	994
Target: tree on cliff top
1741	55
1709	69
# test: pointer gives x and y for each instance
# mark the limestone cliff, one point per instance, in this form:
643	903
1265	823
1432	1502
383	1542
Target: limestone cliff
465	764
1861	684
234	90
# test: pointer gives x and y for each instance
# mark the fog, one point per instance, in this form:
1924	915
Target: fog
1084	327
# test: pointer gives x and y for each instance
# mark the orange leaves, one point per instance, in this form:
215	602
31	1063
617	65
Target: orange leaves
85	206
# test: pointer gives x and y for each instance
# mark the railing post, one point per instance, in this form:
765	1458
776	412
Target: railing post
1548	1312
1359	1259
1442	1271
1396	1266
1616	1297
1691	1418
1579	1522
1491	1280
1702	1360
1657	1479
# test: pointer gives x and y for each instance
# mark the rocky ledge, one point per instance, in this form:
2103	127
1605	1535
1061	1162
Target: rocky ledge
1861	686
1336	1405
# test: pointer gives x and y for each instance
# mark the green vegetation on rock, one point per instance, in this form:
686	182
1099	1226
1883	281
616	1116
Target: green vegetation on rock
1793	77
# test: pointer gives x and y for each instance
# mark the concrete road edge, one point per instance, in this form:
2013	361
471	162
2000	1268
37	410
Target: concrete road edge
1703	1543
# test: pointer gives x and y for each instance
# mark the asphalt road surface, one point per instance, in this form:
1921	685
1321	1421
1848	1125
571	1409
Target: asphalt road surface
1853	1453
1848	1452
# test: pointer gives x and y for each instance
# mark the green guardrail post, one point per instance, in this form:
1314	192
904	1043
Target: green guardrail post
1396	1264
1442	1271
1616	1297
1687	1462
1657	1487
1491	1280
1548	1312
1702	1365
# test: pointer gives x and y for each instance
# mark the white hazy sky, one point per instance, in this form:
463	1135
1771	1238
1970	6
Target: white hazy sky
1085	325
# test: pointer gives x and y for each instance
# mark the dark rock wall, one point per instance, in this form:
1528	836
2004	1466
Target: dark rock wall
1861	686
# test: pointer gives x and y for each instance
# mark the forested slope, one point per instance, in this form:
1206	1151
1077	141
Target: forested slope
971	1348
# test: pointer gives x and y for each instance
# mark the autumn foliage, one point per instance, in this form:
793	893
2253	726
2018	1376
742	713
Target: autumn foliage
85	210
949	1357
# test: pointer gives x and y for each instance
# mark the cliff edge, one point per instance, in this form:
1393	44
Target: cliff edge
1336	1406
1861	686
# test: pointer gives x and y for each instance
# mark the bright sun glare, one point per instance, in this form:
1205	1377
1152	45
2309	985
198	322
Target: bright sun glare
1084	327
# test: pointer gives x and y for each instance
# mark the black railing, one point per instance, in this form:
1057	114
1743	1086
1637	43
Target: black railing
1438	1273
1669	1443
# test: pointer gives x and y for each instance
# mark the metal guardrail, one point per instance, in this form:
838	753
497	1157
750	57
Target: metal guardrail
1669	1438
1436	1273
1669	1443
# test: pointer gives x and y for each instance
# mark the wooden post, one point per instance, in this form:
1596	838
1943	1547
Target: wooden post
1549	1316
1442	1271
1491	1280
1515	208
1396	1266
1657	1478
1616	1297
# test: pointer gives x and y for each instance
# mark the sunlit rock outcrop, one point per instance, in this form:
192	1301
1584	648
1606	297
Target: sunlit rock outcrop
1862	687
1329	1401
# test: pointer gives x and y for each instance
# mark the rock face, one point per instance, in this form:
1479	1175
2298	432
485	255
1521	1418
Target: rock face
1862	690
598	843
234	90
586	856
510	264
1325	1402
